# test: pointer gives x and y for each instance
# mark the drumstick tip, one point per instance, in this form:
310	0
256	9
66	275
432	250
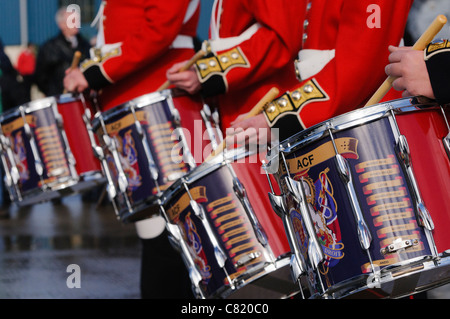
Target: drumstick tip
442	18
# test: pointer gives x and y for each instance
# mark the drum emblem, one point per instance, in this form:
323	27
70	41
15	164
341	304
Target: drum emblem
129	158
195	245
323	211
21	157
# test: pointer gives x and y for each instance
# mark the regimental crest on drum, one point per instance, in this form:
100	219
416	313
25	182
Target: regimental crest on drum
325	219
323	210
20	155
196	247
129	159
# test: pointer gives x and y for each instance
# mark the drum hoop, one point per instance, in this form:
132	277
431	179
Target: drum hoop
201	171
349	120
9	114
39	104
68	97
138	102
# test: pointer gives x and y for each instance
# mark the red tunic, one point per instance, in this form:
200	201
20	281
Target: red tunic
144	31
262	61
353	39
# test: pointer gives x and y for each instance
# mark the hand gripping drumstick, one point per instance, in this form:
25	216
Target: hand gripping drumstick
421	44
200	54
75	62
258	108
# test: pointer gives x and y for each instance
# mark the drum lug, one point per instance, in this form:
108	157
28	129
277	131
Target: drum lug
241	193
37	159
343	169
176	117
207	117
315	252
277	203
297	270
446	142
100	154
200	213
122	180
364	234
6	149
151	162
176	240
403	150
12	176
423	217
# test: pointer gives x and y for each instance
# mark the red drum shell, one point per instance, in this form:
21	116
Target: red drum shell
72	111
424	131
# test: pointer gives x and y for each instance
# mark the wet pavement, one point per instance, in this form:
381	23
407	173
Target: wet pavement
49	249
75	248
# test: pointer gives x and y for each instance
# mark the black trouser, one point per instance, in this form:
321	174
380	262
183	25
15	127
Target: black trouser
163	273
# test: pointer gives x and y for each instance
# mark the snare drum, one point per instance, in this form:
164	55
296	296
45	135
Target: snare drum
148	143
365	200
233	245
46	149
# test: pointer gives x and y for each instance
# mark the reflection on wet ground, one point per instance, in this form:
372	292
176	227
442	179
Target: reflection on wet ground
38	243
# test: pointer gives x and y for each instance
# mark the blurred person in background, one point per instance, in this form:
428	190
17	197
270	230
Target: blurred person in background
56	54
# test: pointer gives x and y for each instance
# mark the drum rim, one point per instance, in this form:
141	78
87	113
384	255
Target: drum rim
29	107
201	171
138	102
68	97
349	120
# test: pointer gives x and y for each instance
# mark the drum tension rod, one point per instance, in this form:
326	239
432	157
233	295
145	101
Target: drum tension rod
177	239
151	162
297	266
315	253
219	254
364	235
241	193
422	215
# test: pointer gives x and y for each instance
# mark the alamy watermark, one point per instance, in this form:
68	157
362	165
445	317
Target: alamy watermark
73	19
74	279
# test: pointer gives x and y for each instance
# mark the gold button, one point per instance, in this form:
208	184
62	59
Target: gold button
282	102
296	95
271	108
308	88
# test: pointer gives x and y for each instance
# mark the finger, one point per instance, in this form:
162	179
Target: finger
406	93
394	69
393	48
399	84
396	56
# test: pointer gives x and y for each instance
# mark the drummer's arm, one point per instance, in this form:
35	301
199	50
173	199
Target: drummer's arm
348	79
160	26
270	48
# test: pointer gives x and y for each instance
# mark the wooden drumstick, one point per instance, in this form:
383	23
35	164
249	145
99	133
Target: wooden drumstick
258	108
200	54
420	44
75	62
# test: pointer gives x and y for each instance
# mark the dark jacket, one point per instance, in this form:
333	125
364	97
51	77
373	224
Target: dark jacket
53	58
12	91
